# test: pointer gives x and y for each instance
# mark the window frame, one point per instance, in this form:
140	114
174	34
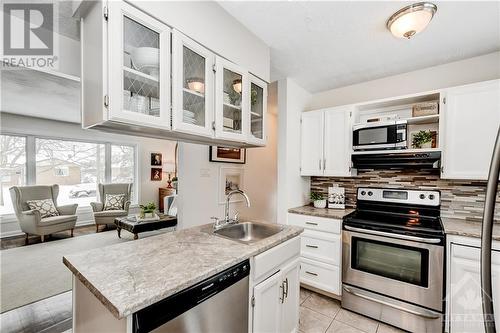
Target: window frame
30	163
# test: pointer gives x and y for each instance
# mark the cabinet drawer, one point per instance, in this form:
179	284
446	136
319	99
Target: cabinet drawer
316	223
321	246
268	262
322	276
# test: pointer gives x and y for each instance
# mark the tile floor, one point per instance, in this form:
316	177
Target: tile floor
321	314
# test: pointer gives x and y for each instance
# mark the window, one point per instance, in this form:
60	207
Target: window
12	168
76	166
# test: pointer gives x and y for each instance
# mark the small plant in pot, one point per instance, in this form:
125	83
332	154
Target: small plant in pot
422	139
147	210
318	200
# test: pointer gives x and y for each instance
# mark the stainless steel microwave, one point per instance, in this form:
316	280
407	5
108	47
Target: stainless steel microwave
380	135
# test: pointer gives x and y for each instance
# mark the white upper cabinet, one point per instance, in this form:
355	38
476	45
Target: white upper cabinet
326	142
192	86
471	122
139	67
311	148
231	101
337	142
258	110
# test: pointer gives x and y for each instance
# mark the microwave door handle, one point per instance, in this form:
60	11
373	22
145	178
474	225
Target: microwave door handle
397	236
427	314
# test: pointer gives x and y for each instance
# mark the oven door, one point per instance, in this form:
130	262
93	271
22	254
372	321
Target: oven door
406	270
379	136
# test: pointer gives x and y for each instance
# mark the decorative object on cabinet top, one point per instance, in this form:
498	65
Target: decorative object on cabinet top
466	228
321	212
152	278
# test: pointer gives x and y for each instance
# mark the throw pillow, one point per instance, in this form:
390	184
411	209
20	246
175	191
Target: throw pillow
46	207
114	201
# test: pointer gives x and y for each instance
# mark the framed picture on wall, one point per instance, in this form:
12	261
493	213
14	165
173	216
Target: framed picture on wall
156	159
156	174
230	179
227	154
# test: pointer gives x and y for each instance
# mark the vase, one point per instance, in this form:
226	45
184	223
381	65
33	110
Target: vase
319	203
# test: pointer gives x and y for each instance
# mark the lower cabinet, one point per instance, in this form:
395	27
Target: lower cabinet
321	252
275	296
464	295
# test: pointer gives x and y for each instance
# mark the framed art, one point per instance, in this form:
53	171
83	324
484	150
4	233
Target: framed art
230	179
227	154
156	159
156	174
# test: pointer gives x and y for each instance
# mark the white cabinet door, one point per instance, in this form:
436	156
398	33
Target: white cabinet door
311	150
337	143
231	101
465	289
290	276
267	308
472	117
139	67
192	86
258	111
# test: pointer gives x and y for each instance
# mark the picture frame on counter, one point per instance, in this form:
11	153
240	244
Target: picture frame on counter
230	179
227	154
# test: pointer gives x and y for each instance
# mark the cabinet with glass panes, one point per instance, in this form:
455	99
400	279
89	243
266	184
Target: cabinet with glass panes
258	110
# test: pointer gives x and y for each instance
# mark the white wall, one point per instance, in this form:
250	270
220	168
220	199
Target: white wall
148	190
481	68
293	190
209	24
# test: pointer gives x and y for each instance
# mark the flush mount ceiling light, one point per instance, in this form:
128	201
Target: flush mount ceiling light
410	20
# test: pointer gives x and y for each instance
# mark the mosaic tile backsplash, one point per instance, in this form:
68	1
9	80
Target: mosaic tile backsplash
463	199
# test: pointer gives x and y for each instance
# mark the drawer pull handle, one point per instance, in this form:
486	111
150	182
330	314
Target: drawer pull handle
311	223
311	273
311	246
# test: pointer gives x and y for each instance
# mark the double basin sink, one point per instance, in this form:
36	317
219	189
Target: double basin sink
248	232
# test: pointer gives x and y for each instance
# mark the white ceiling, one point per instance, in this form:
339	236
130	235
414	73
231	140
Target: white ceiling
326	45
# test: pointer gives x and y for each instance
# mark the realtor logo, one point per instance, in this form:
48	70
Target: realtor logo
28	29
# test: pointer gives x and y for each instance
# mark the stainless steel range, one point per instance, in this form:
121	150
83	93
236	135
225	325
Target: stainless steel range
393	258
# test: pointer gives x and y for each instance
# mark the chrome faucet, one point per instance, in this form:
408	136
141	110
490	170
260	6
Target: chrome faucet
227	220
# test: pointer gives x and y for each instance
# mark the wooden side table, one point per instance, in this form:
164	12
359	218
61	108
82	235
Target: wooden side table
162	193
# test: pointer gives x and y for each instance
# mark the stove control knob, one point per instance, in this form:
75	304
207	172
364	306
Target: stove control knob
422	196
370	193
431	196
363	192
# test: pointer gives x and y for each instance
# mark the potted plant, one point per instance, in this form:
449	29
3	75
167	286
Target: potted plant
422	139
147	210
318	200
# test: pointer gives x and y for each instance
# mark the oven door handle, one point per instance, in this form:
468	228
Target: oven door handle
391	235
424	314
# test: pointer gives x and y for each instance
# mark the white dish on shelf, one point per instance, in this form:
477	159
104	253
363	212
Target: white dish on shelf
147	60
189	114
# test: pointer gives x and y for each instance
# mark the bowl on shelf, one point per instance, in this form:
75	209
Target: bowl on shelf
146	60
196	84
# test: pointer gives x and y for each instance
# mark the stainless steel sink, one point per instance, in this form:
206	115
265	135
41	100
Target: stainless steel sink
248	232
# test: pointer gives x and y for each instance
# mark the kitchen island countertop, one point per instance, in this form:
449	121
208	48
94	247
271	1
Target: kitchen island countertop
461	227
130	276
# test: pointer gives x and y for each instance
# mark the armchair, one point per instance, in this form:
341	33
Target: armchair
31	221
102	216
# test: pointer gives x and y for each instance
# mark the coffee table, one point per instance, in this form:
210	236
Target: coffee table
131	224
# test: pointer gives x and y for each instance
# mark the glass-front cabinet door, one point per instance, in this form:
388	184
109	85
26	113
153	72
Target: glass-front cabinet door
258	111
192	86
139	67
231	101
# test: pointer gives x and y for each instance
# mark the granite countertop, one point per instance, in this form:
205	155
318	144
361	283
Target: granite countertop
321	212
130	276
461	227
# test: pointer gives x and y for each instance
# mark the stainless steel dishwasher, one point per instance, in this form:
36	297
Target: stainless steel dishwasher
218	304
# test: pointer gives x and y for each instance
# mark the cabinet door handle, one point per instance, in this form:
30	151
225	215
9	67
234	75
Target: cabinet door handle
311	273
282	297
324	163
319	163
312	246
311	223
285	292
